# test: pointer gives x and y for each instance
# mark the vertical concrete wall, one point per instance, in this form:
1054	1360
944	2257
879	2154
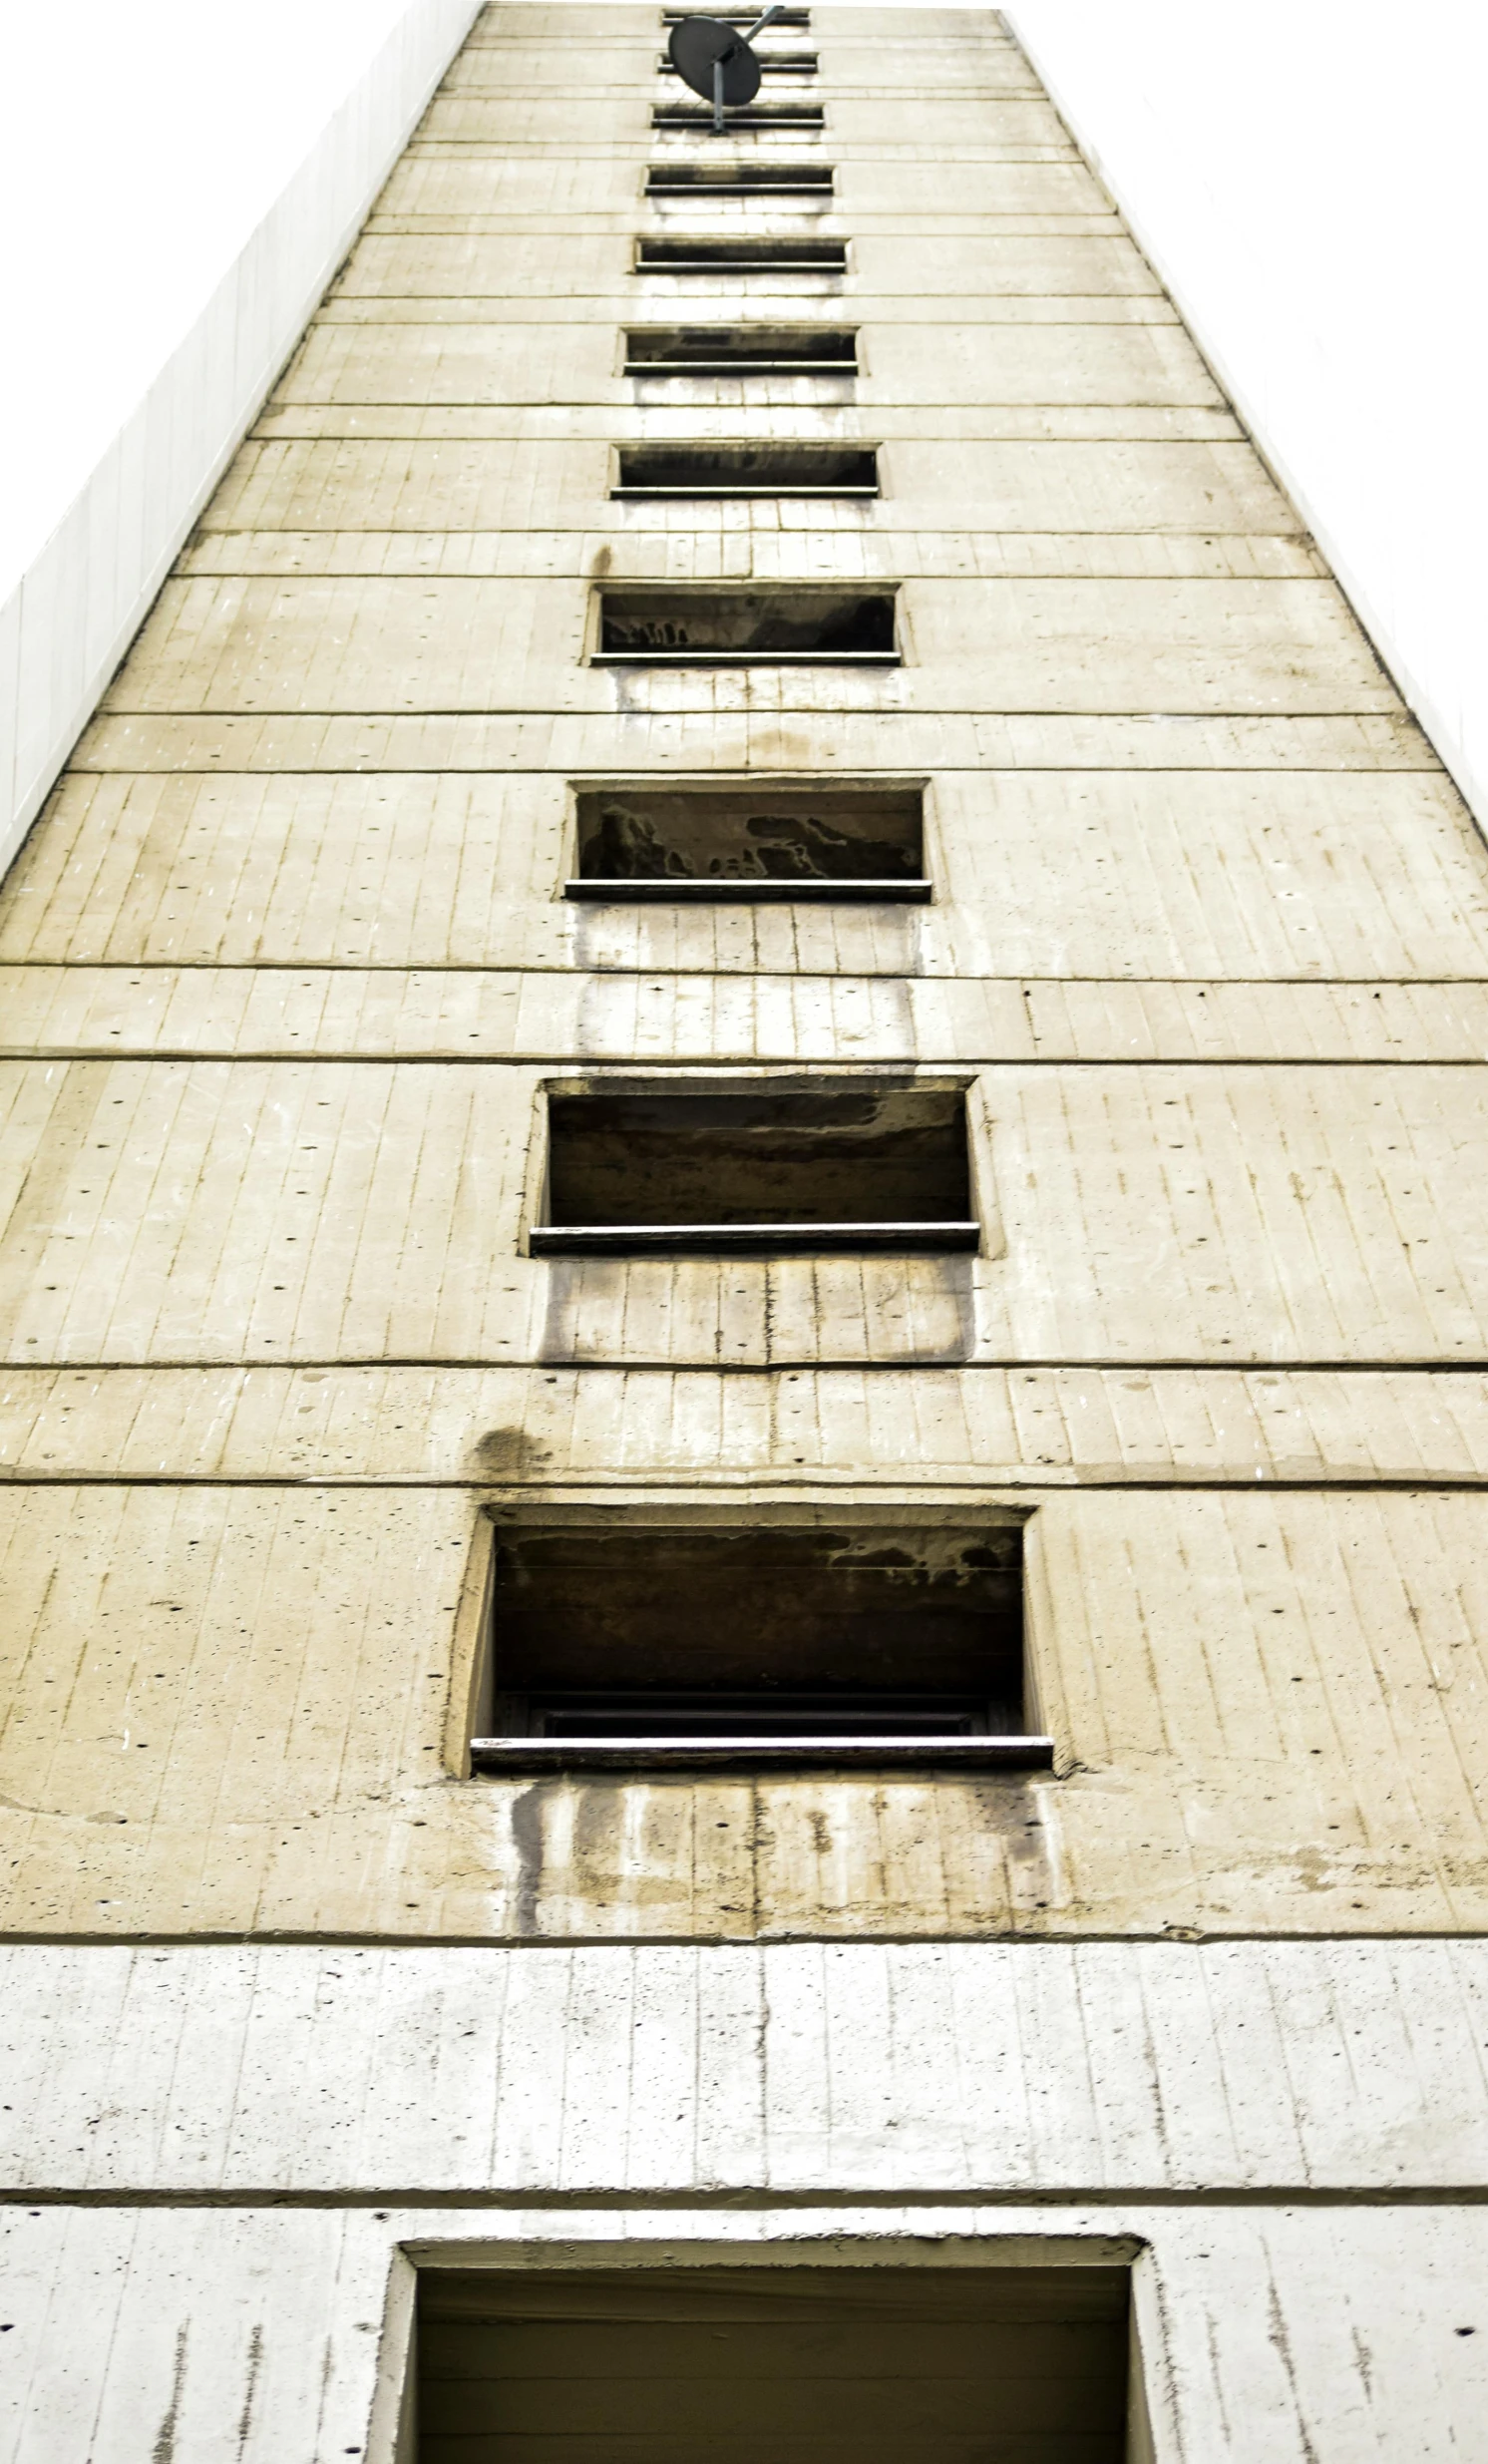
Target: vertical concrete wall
299	2002
110	529
1306	183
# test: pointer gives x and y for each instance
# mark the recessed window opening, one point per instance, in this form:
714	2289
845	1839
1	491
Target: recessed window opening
741	17
739	178
653	627
755	843
772	64
667	1169
735	257
884	1642
676	2363
741	350
748	470
773	114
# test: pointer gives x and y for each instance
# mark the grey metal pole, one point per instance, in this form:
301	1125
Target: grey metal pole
718	98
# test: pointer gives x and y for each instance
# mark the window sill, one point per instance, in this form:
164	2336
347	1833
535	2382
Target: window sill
751	1240
525	1755
723	269
705	492
691	189
692	891
745	659
711	368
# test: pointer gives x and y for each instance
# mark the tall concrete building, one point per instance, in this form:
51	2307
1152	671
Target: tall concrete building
744	1565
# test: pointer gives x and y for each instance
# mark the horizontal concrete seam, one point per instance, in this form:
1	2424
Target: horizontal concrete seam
584	975
918	1368
263	713
921	530
753	2199
80	766
383	1058
1052	1939
998	1476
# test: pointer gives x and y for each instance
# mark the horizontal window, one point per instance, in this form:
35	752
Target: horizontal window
651	625
676	2363
739	178
669	1169
735	350
710	842
741	17
721	257
784	1643
748	470
776	63
781	115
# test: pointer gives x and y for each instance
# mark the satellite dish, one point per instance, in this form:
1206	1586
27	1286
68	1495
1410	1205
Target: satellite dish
716	62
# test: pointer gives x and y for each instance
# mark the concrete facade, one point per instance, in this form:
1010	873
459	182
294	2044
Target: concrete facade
295	2004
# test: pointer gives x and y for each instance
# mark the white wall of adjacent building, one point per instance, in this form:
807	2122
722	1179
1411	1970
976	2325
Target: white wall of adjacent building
1306	183
178	183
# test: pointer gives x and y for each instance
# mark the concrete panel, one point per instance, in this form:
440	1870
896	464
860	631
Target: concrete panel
563	264
1150	491
991	2071
476	1013
538	359
793	1431
399	1190
405	644
230	1710
1374	2374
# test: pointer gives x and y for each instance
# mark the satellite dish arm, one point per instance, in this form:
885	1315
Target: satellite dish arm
742	43
745	39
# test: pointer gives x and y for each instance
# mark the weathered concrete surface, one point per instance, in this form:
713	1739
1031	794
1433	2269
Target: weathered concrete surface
241	1707
1109	2070
320	1213
284	969
240	2337
254	2334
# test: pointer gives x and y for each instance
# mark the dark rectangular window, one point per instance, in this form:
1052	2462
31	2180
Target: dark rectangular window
686	2364
683	2364
741	17
774	64
739	178
653	627
781	115
748	470
669	1169
722	257
632	1643
741	350
750	843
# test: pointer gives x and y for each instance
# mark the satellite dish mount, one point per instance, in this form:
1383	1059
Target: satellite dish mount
716	62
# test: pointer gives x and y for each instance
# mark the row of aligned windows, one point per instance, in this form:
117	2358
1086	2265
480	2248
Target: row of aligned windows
633	1643
692	1640
637	1643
